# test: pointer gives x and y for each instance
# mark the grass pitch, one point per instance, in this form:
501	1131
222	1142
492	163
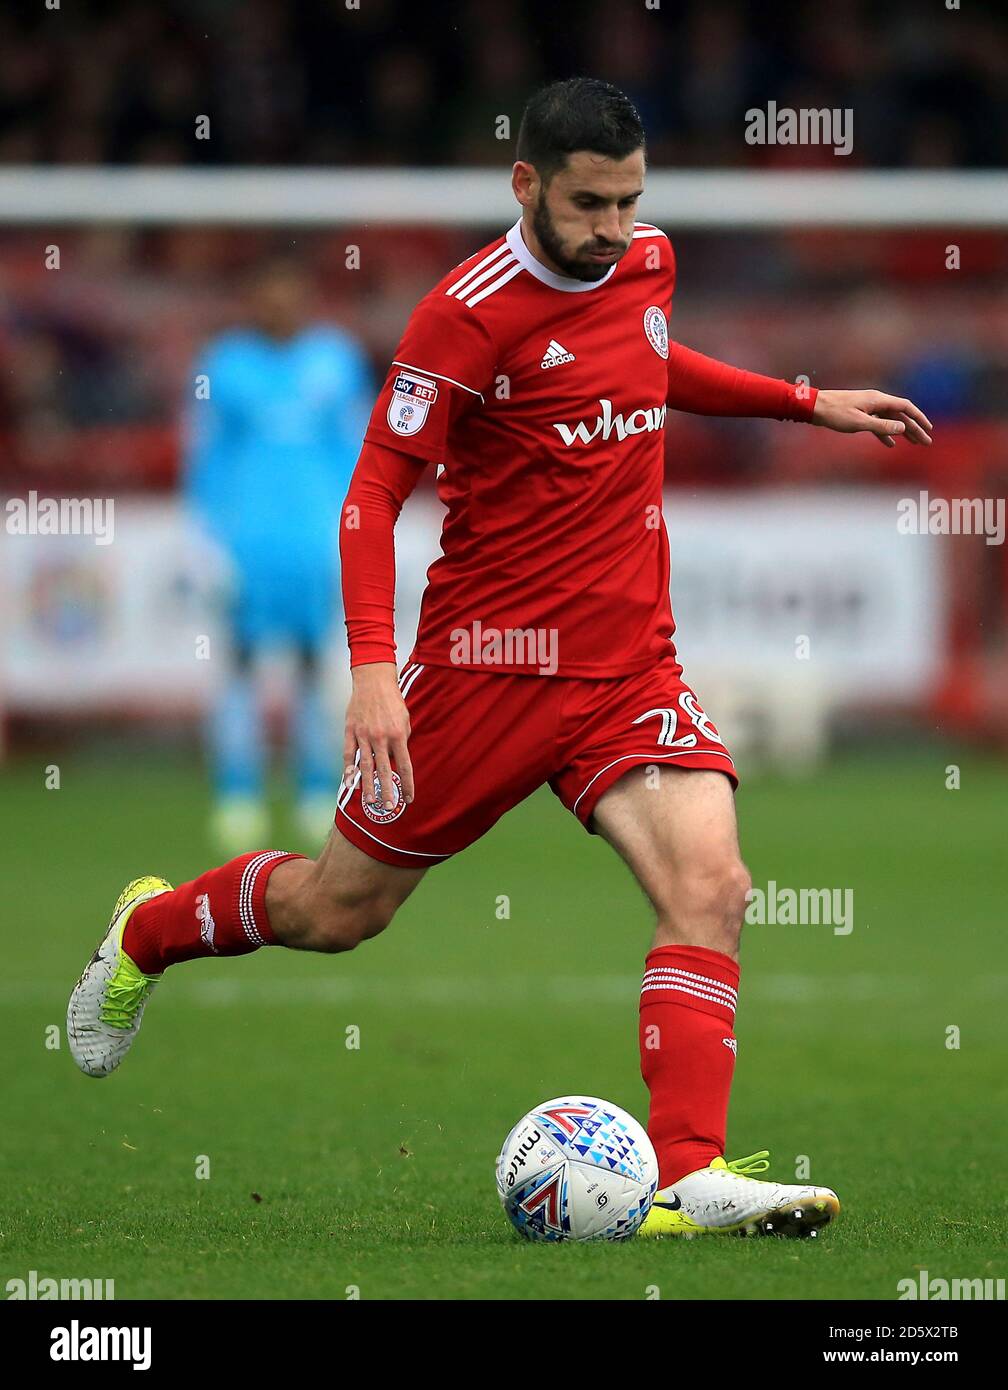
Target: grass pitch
370	1168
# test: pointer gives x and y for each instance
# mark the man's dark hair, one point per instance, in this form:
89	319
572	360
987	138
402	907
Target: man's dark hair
579	113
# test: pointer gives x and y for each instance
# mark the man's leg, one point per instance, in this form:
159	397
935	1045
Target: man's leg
260	899
335	902
676	830
678	835
503	724
332	903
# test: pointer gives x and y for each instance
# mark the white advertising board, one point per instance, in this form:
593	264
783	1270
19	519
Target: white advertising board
90	626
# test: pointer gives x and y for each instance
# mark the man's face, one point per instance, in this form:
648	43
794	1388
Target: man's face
584	217
279	296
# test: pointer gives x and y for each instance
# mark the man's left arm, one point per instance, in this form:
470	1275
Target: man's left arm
704	386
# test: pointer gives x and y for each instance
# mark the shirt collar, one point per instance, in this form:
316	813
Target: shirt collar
528	262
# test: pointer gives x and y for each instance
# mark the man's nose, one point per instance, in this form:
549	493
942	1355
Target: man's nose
607	227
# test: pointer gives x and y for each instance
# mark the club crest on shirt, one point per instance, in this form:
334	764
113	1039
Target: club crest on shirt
656	329
412	398
375	810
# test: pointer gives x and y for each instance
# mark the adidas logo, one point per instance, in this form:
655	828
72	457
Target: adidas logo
555	355
731	1043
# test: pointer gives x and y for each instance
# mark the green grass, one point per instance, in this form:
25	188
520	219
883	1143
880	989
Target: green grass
375	1166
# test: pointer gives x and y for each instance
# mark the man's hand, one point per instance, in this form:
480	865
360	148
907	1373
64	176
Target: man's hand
377	723
886	417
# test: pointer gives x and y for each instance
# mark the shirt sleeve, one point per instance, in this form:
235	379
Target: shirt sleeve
381	482
443	368
704	386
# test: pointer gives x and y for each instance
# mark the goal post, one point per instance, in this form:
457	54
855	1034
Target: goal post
698	200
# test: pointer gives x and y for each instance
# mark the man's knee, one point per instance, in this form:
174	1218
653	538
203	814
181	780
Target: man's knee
315	915
738	882
335	902
705	903
342	921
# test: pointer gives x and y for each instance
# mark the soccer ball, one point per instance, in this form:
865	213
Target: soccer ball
577	1168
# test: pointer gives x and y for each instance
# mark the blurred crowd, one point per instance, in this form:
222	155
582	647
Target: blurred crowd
96	359
393	82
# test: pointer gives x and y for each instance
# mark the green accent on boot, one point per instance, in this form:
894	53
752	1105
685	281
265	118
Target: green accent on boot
127	990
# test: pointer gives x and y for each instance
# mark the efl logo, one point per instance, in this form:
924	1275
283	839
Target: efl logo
412	398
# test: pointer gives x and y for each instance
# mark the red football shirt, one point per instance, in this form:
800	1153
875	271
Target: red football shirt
544	399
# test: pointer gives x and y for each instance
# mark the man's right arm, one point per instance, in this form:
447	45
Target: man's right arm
377	721
444	362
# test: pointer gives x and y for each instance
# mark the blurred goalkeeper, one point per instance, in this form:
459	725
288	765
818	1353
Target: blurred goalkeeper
279	419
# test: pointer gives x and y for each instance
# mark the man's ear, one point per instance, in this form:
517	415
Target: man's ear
525	183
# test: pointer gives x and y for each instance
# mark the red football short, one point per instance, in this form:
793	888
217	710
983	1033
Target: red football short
480	743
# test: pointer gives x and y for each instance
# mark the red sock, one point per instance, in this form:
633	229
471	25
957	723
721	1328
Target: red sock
687	1049
221	913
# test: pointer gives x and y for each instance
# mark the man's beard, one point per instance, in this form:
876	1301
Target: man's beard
542	225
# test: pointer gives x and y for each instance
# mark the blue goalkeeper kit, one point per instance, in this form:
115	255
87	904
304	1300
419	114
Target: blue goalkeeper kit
274	431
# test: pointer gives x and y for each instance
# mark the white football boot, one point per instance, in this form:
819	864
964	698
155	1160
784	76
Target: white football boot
725	1199
108	1001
